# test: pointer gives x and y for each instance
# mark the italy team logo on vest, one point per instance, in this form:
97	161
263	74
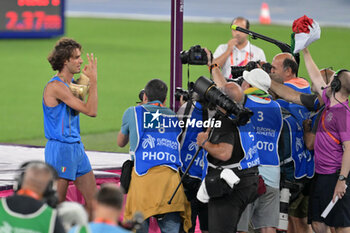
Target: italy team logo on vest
303	159
157	145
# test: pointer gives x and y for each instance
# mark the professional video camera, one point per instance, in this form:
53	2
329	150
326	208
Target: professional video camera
208	91
181	92
237	71
194	56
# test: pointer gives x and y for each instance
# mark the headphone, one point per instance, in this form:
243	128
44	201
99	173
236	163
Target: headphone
50	194
336	83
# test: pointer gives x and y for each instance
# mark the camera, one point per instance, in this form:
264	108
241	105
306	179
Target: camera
194	56
237	71
142	92
267	67
208	91
181	92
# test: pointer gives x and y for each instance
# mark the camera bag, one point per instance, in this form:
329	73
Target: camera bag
216	187
125	177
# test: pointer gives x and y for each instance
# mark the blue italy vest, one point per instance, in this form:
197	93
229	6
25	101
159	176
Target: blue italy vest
303	160
61	122
189	146
157	140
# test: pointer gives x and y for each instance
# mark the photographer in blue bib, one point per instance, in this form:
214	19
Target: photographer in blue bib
152	130
192	111
226	196
258	140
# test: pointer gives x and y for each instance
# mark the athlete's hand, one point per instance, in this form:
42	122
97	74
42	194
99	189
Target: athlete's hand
90	69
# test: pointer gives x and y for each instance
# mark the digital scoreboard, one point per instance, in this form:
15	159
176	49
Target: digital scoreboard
31	18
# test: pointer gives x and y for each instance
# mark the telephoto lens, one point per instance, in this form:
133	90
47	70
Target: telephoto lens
284	202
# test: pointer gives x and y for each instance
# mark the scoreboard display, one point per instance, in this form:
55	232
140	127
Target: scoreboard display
31	18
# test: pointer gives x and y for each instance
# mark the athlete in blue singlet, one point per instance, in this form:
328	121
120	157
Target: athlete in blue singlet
64	150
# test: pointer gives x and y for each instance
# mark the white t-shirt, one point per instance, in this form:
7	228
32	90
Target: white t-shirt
239	57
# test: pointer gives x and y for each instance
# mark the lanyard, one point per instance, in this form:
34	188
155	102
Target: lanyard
104	220
29	193
156	104
243	63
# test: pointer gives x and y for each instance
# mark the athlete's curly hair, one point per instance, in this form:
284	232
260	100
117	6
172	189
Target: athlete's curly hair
63	50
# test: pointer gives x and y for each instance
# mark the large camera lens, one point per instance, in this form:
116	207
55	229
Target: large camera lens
206	88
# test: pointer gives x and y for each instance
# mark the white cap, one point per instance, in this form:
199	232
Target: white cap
258	78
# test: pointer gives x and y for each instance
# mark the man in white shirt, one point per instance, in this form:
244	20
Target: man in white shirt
238	51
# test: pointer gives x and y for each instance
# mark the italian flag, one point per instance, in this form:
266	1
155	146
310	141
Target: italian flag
305	31
63	169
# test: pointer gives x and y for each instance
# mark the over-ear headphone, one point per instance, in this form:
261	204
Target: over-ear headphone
336	83
49	195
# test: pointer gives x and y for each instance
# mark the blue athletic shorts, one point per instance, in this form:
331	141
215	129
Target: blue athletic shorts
69	159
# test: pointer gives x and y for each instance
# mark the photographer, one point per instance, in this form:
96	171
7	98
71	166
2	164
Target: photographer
155	174
225	152
26	210
238	51
267	124
191	112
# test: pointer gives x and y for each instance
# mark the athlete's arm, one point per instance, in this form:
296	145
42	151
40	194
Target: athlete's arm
61	92
314	72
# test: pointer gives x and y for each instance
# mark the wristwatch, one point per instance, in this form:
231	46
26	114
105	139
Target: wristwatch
341	178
